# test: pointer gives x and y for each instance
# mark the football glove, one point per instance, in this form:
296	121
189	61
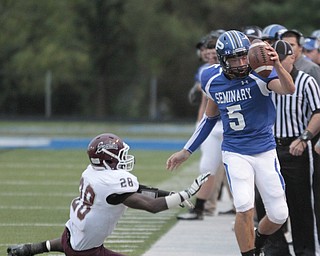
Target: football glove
187	203
183	196
197	183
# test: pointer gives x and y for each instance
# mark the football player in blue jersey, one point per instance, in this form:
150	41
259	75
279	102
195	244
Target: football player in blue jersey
242	99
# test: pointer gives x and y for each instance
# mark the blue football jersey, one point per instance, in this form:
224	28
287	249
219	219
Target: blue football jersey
246	108
199	71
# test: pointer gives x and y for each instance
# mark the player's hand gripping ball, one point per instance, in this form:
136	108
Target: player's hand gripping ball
258	58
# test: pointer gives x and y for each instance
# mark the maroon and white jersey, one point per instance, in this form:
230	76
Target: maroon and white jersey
92	219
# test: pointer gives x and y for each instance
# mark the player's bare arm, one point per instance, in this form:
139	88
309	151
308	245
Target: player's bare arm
143	202
285	84
158	204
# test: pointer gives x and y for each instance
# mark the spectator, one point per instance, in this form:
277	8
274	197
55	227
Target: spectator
252	32
296	133
195	94
316	33
272	33
296	130
311	49
296	40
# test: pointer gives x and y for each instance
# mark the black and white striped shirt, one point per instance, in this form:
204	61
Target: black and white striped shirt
294	111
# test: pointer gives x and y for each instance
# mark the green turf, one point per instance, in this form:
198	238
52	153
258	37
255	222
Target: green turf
38	185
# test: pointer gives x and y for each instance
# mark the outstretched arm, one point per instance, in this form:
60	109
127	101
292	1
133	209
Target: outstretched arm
154	205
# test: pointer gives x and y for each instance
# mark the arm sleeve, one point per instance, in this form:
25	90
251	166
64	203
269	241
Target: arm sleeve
152	192
202	131
115	199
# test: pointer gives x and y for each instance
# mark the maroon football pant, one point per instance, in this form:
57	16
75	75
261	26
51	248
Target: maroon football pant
99	251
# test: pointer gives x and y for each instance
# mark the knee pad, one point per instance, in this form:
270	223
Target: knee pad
277	213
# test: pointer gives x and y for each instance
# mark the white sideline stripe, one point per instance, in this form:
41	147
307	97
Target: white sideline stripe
42	165
138	229
129	235
125	241
150	217
161	216
33	194
146	223
149	227
31	225
19	207
38	183
13	142
131	232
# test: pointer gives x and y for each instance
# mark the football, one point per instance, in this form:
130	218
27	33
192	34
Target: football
259	59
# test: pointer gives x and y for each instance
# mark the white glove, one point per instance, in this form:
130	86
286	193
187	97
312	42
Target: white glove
185	203
182	197
197	183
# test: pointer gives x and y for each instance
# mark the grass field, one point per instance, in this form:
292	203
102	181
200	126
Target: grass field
38	185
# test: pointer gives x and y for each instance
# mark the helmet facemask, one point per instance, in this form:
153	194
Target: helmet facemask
234	72
125	161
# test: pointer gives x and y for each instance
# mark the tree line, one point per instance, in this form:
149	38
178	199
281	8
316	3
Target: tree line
125	59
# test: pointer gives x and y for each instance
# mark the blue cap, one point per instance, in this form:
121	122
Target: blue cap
311	43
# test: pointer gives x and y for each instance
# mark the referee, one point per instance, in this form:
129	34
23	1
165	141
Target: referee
296	132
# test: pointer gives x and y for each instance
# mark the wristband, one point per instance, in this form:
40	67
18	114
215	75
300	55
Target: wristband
176	199
48	245
173	200
306	135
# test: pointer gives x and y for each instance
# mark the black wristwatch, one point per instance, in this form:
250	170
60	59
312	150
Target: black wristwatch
306	135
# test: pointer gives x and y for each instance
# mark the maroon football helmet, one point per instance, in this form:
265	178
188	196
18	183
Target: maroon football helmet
110	152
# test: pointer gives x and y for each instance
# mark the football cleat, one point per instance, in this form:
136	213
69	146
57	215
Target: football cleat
19	250
193	214
208	212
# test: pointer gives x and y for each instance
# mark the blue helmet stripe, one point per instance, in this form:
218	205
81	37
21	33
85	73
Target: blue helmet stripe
235	39
230	39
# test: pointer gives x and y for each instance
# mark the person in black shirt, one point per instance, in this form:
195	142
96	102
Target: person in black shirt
296	132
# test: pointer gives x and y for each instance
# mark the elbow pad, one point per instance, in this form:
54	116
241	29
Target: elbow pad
202	131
